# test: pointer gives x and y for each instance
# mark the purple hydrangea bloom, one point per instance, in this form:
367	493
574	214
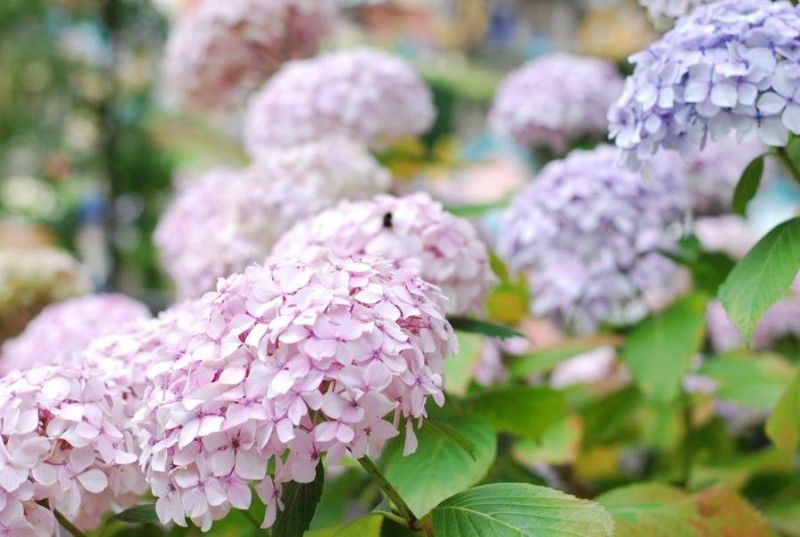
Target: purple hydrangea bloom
728	66
591	236
365	94
662	11
555	100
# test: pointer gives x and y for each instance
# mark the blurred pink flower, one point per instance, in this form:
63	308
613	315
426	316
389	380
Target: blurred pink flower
220	50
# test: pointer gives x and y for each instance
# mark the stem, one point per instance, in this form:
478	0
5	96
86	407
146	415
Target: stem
783	156
67	525
390	491
688	442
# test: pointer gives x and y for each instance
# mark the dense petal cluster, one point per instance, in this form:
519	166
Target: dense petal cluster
413	231
591	237
218	50
713	172
366	94
62	443
227	219
728	66
782	320
32	278
556	100
289	361
67	327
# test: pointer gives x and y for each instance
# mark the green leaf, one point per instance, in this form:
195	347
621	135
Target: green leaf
544	359
366	526
520	410
475	326
299	504
519	510
440	468
748	184
439	429
783	426
141	514
710	270
459	369
607	416
560	445
753	381
659	351
657	510
763	277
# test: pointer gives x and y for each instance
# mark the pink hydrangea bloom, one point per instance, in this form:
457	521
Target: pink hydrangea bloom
219	50
414	231
781	320
367	94
295	358
67	327
227	219
556	100
62	442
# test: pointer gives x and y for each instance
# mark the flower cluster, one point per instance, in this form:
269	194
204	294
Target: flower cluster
30	279
366	94
289	361
781	320
62	444
227	219
556	100
592	236
220	49
728	66
413	231
66	328
713	172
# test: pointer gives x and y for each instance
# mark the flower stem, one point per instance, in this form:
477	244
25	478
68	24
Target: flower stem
67	525
390	491
688	442
783	156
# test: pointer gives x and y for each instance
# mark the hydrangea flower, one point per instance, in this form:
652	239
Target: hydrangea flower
67	327
591	237
713	172
218	50
556	100
413	231
366	94
32	278
728	66
781	320
62	443
227	219
289	361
